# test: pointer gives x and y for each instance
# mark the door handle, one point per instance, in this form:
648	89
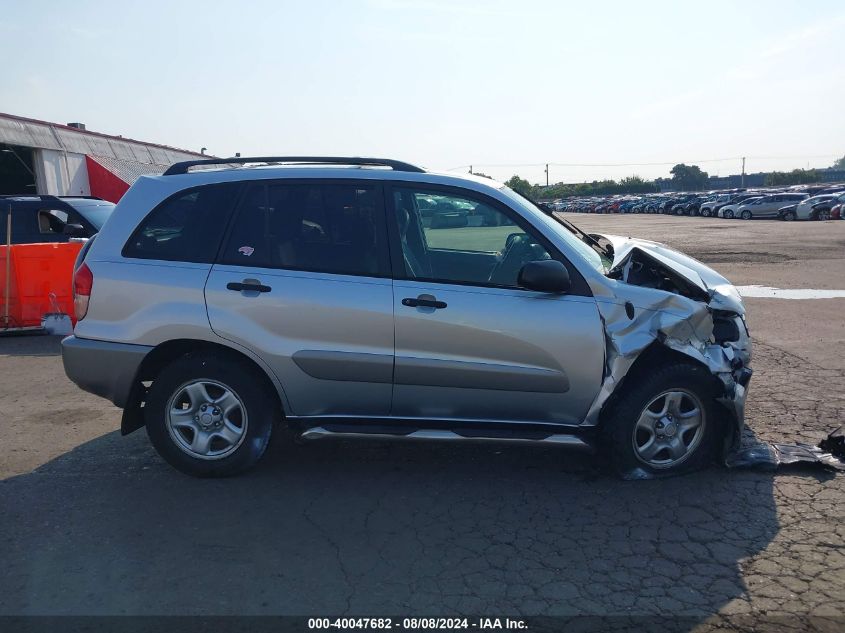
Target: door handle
248	285
423	301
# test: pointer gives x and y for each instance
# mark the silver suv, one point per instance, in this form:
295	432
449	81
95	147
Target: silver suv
368	297
768	206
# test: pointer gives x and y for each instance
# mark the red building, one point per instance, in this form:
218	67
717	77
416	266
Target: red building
39	157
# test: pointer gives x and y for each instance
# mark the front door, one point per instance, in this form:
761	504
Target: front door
303	281
471	344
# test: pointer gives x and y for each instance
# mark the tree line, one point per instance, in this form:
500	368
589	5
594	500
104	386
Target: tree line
684	178
632	184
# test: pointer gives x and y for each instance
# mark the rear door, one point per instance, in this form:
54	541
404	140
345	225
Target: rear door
471	344
303	280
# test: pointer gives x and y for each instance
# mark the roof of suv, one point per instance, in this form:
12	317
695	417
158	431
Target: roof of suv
245	168
185	166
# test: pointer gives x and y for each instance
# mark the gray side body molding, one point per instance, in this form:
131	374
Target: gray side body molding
473	375
346	366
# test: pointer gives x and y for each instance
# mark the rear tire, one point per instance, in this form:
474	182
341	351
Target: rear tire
209	415
665	423
746	215
789	216
823	215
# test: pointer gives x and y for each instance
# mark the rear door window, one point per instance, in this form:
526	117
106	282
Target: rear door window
24	224
186	227
52	221
330	228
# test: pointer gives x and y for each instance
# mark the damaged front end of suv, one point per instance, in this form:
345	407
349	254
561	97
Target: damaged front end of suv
664	300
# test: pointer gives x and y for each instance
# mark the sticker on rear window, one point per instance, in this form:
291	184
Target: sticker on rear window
246	250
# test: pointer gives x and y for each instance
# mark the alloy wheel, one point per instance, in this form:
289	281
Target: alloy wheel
206	419
669	429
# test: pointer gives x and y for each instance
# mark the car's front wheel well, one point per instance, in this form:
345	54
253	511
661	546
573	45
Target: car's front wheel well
163	355
653	357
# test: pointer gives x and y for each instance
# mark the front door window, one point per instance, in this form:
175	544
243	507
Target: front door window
455	238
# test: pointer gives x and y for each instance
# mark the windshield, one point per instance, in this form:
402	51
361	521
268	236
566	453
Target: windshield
585	247
96	212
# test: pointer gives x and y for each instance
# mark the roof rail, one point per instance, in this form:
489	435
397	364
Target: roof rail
183	167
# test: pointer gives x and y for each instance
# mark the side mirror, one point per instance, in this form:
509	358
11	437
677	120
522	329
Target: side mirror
74	230
546	275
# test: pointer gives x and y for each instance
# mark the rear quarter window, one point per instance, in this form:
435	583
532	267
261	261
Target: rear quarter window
186	227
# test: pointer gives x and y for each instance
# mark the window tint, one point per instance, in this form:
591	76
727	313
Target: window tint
187	227
457	238
315	227
52	221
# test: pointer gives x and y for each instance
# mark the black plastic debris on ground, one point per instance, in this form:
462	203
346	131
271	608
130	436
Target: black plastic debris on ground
829	454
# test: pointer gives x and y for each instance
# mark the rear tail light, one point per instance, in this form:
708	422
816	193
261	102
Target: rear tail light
83	281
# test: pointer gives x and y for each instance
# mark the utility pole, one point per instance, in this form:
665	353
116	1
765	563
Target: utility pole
547	174
743	172
470	169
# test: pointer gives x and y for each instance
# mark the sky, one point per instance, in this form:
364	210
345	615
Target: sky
598	89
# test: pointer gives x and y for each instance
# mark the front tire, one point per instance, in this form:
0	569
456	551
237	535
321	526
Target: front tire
209	415
665	423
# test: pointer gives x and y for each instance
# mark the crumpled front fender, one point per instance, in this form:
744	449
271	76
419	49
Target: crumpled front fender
638	317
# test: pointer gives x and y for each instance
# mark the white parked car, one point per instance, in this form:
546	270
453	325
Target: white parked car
731	211
816	208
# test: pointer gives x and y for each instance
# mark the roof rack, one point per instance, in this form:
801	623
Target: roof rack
183	167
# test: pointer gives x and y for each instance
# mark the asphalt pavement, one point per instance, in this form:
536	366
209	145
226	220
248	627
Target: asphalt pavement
94	523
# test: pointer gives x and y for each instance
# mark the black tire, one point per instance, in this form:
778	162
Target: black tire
789	216
747	215
260	407
620	423
823	215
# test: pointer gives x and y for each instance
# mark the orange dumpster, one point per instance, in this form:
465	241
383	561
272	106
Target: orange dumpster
36	271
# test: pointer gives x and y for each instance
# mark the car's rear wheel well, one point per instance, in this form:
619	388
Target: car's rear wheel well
164	354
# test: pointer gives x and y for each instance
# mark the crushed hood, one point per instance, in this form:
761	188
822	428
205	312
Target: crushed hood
721	294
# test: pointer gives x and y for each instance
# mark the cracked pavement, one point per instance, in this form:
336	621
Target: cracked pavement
93	523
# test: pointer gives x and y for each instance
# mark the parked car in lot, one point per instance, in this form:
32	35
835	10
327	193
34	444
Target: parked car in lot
731	199
52	218
215	304
787	213
824	209
768	206
816	208
731	210
711	206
